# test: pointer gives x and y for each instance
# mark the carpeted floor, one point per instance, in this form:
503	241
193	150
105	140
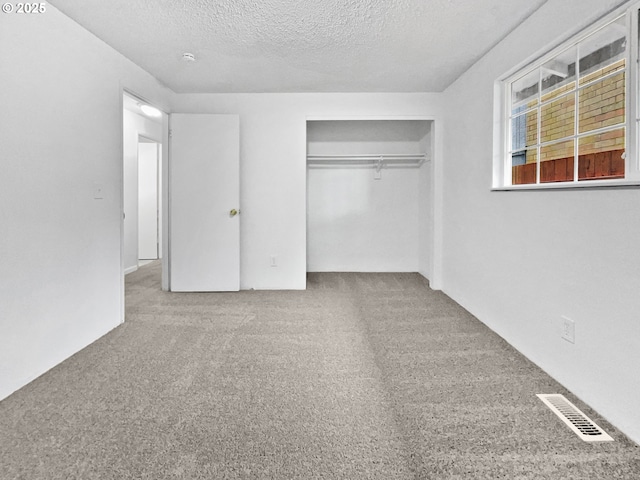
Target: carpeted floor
362	376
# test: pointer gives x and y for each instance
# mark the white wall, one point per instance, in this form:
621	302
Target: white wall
358	224
61	132
358	137
354	221
273	168
134	126
520	260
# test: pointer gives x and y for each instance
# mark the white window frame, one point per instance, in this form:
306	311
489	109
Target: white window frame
502	171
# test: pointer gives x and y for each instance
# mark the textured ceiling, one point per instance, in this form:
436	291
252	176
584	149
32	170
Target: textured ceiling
301	45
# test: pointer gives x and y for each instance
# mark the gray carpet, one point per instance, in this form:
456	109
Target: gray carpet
362	376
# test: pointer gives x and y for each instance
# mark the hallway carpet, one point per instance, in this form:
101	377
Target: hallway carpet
361	376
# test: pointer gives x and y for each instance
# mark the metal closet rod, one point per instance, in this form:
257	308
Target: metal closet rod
369	158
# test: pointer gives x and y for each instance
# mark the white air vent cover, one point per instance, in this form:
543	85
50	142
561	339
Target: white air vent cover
577	421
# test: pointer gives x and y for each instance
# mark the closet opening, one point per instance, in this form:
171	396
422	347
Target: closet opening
369	196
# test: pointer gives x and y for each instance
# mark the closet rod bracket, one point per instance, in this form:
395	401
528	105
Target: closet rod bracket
377	175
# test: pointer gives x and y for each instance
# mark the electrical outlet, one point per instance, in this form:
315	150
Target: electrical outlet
568	329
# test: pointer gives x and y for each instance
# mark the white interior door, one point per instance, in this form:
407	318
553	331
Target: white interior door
204	194
148	200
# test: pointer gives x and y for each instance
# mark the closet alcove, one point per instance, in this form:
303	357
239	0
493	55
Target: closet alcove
369	193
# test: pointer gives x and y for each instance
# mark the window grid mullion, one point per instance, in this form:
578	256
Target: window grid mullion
576	126
632	160
595	131
581	87
538	152
507	175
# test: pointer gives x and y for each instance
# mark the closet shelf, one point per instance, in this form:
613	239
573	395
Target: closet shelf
376	160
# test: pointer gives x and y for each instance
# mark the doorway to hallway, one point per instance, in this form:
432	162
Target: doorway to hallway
145	131
142	182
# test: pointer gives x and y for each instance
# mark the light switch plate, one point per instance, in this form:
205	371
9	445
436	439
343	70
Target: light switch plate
98	191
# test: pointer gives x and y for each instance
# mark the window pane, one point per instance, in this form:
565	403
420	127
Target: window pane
524	130
523	170
559	75
602	104
524	91
556	162
600	156
603	52
558	119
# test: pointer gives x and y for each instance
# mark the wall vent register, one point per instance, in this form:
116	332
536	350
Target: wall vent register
577	421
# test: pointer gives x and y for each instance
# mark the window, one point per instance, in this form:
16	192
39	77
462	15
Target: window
567	119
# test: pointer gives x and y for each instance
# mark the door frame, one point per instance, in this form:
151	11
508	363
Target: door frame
164	200
158	186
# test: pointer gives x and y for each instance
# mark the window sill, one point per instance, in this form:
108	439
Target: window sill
601	184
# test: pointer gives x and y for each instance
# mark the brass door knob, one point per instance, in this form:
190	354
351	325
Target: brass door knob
233	212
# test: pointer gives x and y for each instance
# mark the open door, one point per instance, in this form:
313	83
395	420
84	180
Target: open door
204	203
